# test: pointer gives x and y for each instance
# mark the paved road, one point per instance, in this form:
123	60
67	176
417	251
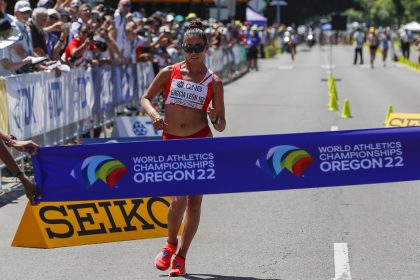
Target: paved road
284	235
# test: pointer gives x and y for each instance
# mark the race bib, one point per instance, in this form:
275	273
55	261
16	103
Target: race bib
188	94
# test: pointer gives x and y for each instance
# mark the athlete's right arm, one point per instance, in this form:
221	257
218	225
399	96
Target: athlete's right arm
157	86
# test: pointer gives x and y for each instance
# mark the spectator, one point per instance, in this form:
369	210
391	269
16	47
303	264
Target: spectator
55	23
47	4
129	46
96	20
108	32
72	13
85	14
143	48
359	39
56	41
164	40
108	52
77	50
64	15
124	7
252	42
21	28
75	5
39	38
8	17
405	40
263	36
8	65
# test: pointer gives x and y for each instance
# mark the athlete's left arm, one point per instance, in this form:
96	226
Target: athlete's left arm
217	112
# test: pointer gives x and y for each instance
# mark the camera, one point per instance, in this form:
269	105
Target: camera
101	45
73	59
66	26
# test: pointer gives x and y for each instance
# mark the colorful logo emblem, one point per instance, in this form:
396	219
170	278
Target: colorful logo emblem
101	167
277	158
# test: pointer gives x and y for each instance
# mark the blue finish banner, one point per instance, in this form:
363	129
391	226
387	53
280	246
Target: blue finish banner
228	165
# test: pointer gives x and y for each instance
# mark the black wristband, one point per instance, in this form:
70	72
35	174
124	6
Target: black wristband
18	174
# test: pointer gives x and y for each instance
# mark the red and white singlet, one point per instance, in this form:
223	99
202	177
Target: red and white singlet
189	94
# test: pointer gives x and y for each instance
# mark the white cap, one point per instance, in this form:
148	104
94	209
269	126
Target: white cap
22	6
169	18
53	12
164	28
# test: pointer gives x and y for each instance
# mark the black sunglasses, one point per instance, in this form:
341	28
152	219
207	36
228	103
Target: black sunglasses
194	48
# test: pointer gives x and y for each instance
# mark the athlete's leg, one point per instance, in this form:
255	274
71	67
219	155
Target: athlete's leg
175	214
372	56
191	222
355	55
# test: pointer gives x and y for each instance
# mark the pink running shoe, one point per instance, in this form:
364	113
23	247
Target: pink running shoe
163	259
178	267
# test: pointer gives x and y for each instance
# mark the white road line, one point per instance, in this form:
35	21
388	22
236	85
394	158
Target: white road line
341	262
285	67
327	66
334	128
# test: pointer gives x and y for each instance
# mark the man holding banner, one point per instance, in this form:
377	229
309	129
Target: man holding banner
7	158
189	88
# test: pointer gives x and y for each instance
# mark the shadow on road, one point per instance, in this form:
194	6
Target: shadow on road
220	277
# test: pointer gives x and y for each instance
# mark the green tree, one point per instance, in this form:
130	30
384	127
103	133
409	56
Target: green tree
411	10
386	12
354	15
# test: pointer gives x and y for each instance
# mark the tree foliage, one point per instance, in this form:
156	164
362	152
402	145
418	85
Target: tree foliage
385	12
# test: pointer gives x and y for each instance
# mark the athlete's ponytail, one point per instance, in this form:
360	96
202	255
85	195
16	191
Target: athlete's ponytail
195	29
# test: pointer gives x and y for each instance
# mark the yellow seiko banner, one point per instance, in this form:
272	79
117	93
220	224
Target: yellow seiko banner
403	119
60	224
4	110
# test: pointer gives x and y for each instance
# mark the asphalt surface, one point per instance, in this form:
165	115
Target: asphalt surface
284	235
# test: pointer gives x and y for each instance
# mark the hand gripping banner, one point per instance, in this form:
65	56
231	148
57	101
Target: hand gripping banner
228	165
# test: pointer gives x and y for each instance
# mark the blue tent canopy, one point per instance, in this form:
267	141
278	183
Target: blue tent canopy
326	27
255	18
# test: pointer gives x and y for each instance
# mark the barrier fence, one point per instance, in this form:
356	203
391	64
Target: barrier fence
53	110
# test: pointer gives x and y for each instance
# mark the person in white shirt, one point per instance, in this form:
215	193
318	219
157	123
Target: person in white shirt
405	40
20	26
129	48
8	66
124	7
85	14
359	39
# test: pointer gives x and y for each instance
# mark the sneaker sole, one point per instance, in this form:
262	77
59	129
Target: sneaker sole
176	275
161	268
